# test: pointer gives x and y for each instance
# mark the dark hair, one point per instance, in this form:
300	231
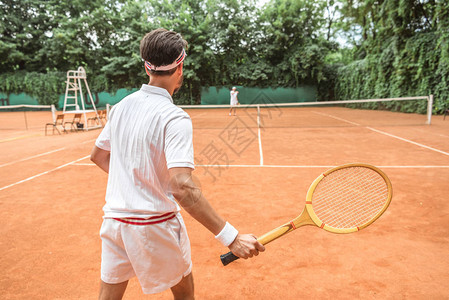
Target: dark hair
161	47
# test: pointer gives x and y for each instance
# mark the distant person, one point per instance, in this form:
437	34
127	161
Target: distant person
234	101
146	148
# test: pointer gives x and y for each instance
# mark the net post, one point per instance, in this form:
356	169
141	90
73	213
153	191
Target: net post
53	112
429	109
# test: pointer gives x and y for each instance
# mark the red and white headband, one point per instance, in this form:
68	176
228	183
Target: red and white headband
177	62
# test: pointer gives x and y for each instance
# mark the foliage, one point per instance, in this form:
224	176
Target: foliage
403	52
393	48
50	85
46	87
293	48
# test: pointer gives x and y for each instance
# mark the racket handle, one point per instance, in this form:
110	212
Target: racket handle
228	258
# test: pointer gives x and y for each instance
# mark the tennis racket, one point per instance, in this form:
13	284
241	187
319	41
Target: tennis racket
343	199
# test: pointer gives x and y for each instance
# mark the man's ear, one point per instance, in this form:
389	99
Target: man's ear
180	67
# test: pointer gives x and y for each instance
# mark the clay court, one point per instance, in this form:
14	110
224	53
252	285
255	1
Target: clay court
256	174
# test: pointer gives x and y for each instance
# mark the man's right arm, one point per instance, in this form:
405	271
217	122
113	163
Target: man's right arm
179	154
190	197
101	158
101	153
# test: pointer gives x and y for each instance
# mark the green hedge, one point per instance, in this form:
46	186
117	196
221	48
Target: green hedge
419	67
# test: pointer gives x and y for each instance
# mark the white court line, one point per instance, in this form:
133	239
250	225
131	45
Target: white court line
260	148
260	140
387	134
88	141
42	154
19	137
43	173
408	141
433	133
336	118
198	115
31	157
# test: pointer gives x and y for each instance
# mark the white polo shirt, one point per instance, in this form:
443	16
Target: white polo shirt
146	135
234	97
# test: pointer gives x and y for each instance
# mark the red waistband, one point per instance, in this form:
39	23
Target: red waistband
147	221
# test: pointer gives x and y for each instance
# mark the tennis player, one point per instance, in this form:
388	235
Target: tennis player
234	100
146	147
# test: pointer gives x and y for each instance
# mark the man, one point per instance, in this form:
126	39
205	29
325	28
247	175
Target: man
146	147
234	100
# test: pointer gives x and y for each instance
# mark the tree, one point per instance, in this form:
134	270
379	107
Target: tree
403	51
292	44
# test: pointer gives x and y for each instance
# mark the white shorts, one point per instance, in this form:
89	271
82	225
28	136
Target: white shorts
158	254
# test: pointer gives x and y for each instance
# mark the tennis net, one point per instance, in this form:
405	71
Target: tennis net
366	112
25	116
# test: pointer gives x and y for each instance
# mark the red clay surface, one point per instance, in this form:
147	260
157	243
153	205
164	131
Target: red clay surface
51	198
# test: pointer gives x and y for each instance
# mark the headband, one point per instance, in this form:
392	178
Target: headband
177	62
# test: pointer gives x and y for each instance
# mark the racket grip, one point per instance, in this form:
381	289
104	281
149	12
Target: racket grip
228	258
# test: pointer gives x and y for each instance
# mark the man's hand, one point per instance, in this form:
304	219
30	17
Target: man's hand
246	246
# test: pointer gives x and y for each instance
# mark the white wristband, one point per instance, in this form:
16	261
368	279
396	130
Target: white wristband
227	235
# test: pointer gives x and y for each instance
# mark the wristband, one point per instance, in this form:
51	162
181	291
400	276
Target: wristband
227	235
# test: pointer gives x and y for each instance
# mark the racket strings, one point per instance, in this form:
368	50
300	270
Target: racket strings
350	197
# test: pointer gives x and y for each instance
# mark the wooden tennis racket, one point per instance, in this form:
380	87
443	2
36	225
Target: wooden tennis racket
343	199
